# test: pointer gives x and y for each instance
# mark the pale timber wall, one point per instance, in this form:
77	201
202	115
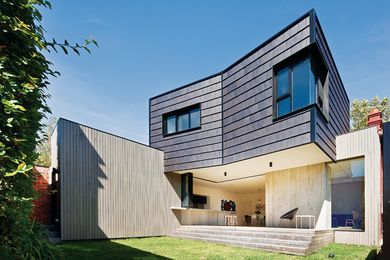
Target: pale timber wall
112	187
306	188
356	144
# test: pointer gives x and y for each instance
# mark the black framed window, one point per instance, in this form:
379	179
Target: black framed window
283	99
299	82
182	120
170	124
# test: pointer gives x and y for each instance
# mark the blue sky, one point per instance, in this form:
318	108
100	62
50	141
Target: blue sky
149	47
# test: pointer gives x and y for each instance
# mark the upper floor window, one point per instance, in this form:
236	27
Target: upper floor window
299	83
182	120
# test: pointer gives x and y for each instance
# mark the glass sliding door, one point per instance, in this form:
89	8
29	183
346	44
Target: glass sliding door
348	194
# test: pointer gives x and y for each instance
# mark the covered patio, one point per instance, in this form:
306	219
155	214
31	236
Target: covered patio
258	191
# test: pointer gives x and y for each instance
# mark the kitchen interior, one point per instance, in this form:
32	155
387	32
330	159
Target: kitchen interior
239	202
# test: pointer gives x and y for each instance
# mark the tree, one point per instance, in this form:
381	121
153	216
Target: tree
361	108
24	77
43	148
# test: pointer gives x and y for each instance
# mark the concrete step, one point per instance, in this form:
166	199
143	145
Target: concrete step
53	234
54	240
242	238
253	233
252	229
294	250
50	227
289	241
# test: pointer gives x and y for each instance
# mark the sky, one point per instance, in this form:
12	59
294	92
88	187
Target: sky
149	47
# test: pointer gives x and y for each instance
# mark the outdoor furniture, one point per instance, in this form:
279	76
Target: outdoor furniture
261	220
248	220
338	219
289	216
334	222
355	217
254	220
230	220
305	216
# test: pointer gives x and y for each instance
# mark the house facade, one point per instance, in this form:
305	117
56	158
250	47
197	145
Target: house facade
268	134
270	129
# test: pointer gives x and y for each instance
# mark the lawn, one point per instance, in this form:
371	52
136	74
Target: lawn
174	248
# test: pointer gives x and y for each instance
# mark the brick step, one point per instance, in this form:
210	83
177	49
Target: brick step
242	238
294	250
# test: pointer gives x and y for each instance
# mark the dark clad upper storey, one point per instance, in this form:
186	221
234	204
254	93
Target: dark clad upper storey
196	148
237	106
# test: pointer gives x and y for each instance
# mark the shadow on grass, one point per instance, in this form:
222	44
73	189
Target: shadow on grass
103	249
372	255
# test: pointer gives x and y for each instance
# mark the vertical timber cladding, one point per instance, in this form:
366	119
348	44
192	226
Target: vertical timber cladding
248	126
197	148
364	143
326	131
386	190
306	188
111	187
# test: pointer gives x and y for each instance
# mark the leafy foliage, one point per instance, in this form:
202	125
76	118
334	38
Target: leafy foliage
361	108
43	148
24	77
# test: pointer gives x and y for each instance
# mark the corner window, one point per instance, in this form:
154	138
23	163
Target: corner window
347	194
299	82
182	120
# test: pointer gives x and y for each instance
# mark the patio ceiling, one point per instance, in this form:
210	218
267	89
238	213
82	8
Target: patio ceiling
258	166
241	186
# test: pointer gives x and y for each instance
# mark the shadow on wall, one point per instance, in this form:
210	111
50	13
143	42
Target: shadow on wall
104	250
175	182
82	175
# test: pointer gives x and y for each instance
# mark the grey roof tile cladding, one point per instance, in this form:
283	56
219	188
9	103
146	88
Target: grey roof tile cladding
236	107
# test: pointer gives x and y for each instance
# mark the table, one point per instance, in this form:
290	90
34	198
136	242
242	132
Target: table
305	216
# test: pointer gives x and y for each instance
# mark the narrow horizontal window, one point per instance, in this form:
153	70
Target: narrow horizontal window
182	120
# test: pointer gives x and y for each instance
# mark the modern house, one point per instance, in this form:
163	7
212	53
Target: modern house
267	135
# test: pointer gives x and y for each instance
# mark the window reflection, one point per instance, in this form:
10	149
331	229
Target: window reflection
182	120
347	192
299	84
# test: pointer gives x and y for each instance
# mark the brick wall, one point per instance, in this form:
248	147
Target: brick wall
42	204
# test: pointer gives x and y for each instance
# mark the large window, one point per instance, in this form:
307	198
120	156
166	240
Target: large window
182	120
347	193
298	83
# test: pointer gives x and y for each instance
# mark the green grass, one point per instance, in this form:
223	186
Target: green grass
174	248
